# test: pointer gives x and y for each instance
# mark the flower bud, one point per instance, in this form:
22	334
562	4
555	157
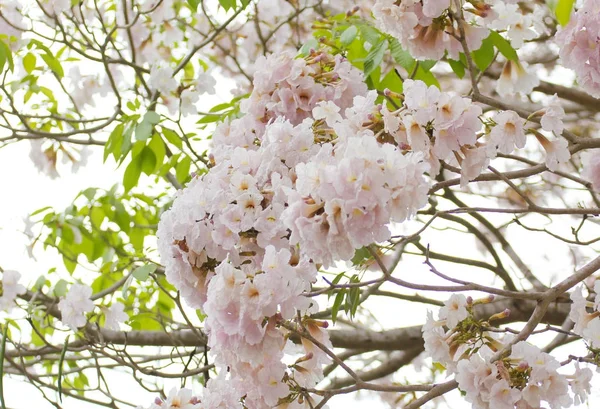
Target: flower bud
500	315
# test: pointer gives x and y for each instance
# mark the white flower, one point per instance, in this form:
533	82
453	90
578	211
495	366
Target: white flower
161	79
476	159
502	396
114	315
508	131
75	305
520	31
580	383
515	78
188	102
205	83
181	399
43	160
592	332
10	289
552	120
328	111
454	310
557	152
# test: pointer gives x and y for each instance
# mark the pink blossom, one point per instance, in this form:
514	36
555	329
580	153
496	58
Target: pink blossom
578	42
508	132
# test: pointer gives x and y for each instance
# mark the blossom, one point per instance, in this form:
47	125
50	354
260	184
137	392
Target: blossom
516	79
508	132
580	384
454	310
328	111
161	79
75	305
578	42
591	168
10	288
114	315
43	160
557	152
205	83
552	118
181	399
188	101
475	160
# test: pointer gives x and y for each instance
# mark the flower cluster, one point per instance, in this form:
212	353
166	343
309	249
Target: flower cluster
524	379
178	399
77	303
9	289
300	179
449	127
585	314
579	43
429	28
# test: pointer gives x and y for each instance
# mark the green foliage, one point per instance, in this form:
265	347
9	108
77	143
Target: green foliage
503	45
485	55
563	11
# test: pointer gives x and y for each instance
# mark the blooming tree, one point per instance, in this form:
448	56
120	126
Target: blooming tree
376	163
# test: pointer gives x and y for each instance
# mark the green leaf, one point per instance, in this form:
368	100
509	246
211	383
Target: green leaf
360	255
457	67
310	44
158	148
183	169
401	56
38	211
485	55
503	45
427	65
391	81
143	130
143	272
375	56
563	11
151	117
369	34
125	288
60	289
172	137
148	161
2	377
70	265
427	77
337	303
194	4
29	62
228	4
60	367
113	145
53	64
348	35
132	173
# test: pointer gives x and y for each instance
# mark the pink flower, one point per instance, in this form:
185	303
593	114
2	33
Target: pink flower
579	43
552	118
508	132
515	78
591	168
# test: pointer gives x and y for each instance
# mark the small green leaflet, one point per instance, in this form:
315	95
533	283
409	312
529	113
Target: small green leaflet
563	11
143	272
193	4
503	45
348	35
485	55
375	56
